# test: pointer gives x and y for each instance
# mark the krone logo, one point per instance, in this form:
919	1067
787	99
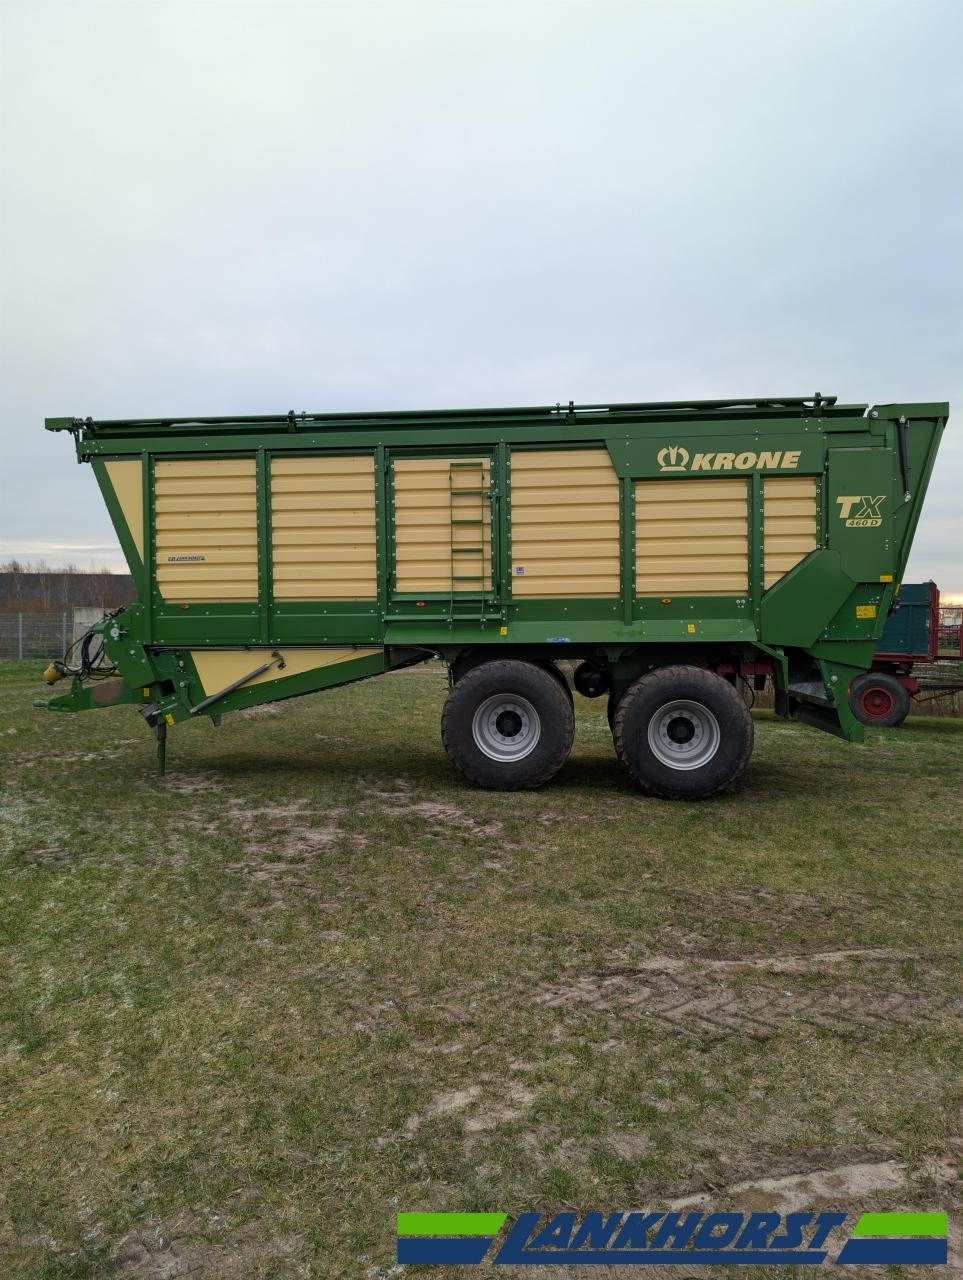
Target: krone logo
866	515
673	458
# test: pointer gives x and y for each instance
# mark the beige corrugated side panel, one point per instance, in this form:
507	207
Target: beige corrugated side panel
789	523
127	478
217	668
691	537
323	528
424	533
565	523
206	529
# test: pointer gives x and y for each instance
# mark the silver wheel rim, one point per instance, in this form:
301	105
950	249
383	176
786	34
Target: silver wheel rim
684	735
506	727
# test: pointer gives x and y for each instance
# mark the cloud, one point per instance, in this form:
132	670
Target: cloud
247	207
85	555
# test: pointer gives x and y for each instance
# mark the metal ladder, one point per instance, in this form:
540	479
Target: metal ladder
469	560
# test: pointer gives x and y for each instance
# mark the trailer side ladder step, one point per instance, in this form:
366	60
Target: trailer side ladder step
470	513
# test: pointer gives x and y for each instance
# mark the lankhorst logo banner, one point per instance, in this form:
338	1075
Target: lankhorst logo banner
876	1239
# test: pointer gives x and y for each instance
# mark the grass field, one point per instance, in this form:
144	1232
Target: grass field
311	978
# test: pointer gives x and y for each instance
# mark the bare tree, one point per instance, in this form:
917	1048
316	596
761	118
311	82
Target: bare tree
15	572
113	591
68	579
45	580
98	586
45	589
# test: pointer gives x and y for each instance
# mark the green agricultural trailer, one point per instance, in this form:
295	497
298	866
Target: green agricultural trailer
676	551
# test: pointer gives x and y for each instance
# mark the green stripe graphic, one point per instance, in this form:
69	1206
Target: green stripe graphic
901	1224
450	1224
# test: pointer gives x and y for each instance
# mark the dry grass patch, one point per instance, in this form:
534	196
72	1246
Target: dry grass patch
251	1010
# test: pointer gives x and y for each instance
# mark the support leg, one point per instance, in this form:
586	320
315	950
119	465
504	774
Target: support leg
160	732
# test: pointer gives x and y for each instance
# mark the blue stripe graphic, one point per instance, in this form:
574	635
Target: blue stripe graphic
412	1249
879	1251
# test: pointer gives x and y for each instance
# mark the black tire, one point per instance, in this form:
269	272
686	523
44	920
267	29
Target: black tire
611	708
683	733
560	676
508	725
879	699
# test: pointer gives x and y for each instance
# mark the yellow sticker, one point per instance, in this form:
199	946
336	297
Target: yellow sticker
691	628
886	577
146	690
865	611
169	718
503	631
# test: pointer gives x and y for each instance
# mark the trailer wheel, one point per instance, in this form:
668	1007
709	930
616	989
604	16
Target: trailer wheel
683	733
611	708
508	725
558	674
878	698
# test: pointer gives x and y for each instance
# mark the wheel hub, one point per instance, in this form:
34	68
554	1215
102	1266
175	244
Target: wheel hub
509	723
684	734
680	730
506	727
878	702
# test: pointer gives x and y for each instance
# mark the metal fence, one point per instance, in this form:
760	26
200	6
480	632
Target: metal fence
950	637
44	635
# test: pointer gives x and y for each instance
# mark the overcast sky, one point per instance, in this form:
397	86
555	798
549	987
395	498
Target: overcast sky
222	206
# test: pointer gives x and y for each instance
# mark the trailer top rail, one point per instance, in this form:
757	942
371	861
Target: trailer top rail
676	410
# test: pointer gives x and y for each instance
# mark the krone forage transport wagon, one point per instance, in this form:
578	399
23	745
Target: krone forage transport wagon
678	552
